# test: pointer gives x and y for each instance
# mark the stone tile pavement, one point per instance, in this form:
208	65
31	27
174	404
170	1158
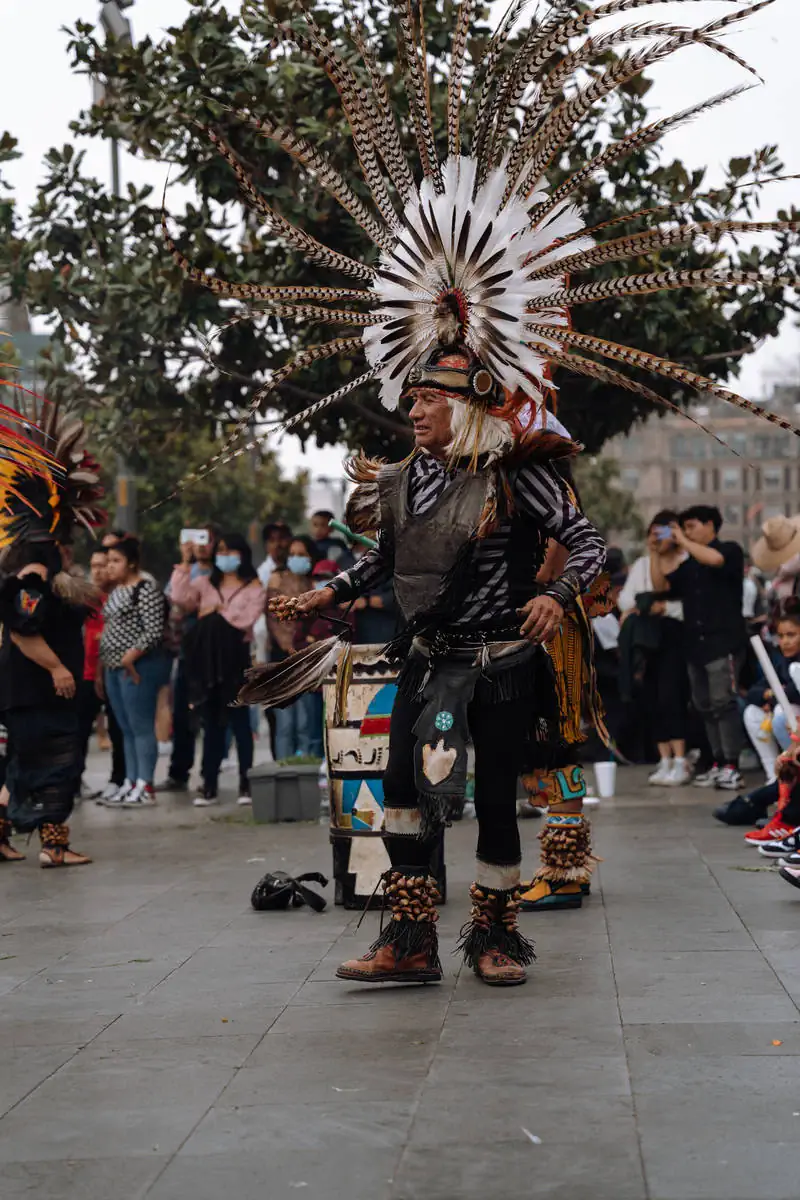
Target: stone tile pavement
159	1039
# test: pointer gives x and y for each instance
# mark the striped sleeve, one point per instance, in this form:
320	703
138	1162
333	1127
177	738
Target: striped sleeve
372	569
541	493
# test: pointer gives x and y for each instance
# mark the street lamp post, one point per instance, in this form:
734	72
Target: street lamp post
118	28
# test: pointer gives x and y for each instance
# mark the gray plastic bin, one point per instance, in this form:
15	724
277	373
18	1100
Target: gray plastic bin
285	793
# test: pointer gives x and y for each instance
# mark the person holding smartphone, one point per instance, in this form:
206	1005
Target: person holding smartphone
707	574
664	682
228	602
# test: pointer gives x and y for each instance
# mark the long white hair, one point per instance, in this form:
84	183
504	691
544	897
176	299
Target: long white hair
475	432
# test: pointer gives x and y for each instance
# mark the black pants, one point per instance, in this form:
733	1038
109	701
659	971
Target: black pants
215	726
714	692
44	763
499	733
184	735
89	704
666	685
117	747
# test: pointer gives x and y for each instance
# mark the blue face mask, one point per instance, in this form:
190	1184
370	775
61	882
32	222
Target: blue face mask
299	564
228	563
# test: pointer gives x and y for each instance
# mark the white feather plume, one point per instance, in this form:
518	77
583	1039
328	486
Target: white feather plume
466	241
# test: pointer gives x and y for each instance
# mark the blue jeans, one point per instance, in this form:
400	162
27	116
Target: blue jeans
298	728
290	729
218	729
779	729
134	706
311	739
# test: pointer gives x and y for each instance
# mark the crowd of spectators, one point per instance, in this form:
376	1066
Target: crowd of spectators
162	665
682	683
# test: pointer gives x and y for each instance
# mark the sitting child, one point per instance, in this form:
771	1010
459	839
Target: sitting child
764	721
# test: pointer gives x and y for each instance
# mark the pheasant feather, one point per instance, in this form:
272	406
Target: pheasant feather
475	253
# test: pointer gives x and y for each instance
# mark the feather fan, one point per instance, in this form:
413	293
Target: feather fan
478	235
276	685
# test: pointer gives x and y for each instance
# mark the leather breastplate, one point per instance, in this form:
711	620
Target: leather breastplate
426	546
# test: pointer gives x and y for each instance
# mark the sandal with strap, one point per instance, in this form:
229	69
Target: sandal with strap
8	853
55	849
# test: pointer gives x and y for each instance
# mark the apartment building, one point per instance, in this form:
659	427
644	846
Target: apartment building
669	463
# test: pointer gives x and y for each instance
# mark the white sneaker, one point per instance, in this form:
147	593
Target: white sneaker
729	780
108	791
660	777
119	795
708	778
205	799
142	796
680	773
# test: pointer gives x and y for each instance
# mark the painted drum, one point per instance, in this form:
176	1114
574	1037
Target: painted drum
356	754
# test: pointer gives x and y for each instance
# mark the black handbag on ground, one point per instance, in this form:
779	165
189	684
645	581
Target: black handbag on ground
277	891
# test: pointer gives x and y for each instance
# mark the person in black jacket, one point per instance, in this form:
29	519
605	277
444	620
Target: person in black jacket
41	661
707	575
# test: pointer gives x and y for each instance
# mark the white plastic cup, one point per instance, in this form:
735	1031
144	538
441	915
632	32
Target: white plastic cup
605	778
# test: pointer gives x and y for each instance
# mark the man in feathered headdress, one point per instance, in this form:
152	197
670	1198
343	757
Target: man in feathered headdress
463	313
464	524
47	483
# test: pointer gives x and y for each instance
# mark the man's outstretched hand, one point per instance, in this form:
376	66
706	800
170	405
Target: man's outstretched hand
543	615
290	608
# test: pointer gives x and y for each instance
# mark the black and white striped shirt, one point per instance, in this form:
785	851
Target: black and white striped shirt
539	492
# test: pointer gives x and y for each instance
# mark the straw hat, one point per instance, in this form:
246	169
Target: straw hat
781	541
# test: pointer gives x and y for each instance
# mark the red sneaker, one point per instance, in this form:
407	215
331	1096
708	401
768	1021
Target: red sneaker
775	830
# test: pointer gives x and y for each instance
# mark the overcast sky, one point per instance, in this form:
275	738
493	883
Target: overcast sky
39	96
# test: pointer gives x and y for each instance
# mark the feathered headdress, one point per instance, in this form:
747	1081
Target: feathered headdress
48	481
476	252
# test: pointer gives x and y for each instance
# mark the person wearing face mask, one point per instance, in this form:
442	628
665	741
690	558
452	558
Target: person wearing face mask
291	724
228	603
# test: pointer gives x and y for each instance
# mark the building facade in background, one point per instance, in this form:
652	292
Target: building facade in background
670	463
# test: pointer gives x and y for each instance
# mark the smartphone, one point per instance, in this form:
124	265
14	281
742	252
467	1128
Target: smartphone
200	537
663	533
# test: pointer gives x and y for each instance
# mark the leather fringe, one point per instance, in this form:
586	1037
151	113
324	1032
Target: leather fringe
412	900
493	926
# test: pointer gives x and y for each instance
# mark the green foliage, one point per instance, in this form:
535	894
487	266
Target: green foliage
611	507
131	335
238	497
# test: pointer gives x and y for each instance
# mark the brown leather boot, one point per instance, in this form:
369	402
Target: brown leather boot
491	941
7	852
55	850
498	970
407	950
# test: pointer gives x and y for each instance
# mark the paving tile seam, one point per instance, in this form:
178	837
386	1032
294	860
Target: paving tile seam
721	887
414	1108
626	1050
234	1073
60	1067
